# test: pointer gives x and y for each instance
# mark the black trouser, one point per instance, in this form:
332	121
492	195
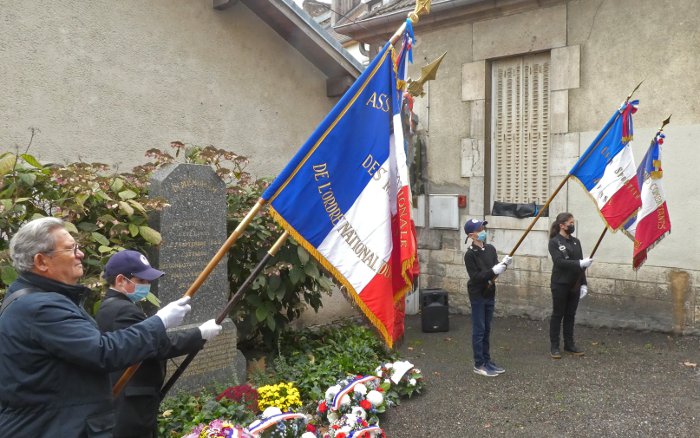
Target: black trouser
564	303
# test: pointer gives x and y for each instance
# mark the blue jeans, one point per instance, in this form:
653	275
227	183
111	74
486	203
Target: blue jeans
482	314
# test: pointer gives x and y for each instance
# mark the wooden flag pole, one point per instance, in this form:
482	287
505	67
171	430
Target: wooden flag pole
422	8
600	239
224	313
539	214
129	373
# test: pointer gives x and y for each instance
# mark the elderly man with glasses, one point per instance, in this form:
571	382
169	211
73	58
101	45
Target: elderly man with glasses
54	361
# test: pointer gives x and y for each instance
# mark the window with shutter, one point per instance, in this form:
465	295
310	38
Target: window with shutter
520	129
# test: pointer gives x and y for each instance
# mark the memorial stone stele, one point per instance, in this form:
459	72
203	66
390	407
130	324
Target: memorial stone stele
193	228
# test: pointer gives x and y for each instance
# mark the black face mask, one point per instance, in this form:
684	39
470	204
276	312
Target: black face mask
570	229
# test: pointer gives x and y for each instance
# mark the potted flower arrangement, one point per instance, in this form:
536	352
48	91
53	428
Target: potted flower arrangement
351	407
403	378
284	396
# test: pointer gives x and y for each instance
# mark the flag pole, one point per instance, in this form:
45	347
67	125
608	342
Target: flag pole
600	239
422	8
566	178
129	373
224	313
595	248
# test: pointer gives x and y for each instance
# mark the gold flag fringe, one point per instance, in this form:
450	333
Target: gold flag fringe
378	325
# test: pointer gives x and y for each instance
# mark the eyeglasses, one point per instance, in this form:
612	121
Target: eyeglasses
75	248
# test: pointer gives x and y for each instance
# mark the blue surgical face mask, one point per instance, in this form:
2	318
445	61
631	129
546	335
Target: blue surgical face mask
482	236
140	291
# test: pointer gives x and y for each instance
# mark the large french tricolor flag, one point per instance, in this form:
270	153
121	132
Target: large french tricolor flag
345	196
652	223
607	169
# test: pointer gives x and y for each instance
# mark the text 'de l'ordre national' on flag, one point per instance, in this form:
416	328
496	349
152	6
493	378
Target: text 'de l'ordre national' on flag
652	223
341	195
607	169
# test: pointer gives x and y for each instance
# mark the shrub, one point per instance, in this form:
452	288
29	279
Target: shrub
108	211
105	212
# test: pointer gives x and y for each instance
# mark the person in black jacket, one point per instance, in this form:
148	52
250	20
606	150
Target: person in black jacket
129	276
568	282
54	361
483	267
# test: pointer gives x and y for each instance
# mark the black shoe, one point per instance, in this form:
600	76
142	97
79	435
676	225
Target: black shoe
573	349
554	352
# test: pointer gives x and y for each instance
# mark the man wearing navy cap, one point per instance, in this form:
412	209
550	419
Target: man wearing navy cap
483	267
129	276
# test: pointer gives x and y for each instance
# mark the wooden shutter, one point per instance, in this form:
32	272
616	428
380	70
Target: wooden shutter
520	129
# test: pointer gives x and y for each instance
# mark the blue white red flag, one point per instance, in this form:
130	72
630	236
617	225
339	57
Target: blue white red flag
607	169
345	197
652	223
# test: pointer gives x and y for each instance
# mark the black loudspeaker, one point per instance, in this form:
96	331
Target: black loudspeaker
434	310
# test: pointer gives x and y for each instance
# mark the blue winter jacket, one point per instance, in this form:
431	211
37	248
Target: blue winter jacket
55	362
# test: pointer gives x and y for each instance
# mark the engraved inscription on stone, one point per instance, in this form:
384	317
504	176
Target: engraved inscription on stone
193	227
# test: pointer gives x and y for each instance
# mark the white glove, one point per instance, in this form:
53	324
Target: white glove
173	313
584	290
499	269
507	260
210	330
585	263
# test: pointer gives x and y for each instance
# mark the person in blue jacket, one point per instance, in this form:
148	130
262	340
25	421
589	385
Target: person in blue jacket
54	361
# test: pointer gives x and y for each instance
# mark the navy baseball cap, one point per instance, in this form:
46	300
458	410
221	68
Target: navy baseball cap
131	264
472	225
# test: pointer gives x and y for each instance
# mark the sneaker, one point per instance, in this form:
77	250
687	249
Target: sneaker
485	371
554	352
573	349
495	368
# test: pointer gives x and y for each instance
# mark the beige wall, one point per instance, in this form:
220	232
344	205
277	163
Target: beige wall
445	118
107	80
599	51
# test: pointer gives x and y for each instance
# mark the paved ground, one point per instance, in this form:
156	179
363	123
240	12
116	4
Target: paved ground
628	384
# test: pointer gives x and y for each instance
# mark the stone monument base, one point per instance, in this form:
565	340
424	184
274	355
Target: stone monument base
219	363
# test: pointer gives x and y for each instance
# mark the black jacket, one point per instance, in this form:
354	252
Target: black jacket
55	362
479	262
137	405
566	253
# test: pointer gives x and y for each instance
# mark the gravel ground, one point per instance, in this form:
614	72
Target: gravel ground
629	384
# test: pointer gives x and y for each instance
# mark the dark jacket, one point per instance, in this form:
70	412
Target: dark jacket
137	405
479	262
566	253
55	362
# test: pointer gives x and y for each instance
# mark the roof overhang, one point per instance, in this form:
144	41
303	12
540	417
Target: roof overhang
304	34
378	28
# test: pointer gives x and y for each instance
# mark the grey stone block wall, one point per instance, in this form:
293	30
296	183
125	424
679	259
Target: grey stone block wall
653	298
